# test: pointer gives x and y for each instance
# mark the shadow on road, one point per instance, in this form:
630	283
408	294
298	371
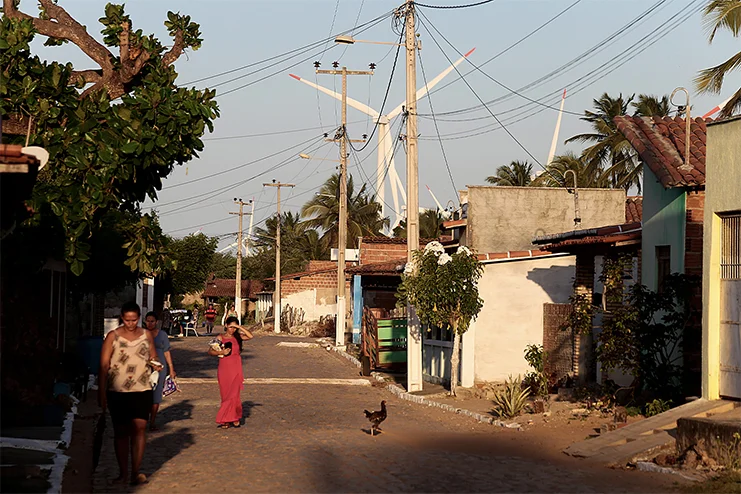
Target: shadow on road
196	363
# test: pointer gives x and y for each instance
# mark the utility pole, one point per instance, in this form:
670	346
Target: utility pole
341	136
276	295
238	287
414	333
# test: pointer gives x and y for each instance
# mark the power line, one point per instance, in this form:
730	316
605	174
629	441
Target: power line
448	7
437	130
302	49
275	133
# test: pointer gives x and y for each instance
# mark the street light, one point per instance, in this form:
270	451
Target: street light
349	40
308	157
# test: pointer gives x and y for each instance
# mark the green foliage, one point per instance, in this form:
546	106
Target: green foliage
644	334
443	288
516	174
430	225
510	401
322	213
633	411
536	380
656	407
582	312
194	257
104	155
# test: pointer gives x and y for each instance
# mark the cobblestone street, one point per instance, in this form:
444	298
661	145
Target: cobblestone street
312	437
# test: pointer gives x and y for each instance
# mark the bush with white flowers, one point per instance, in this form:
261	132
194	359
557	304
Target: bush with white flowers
443	289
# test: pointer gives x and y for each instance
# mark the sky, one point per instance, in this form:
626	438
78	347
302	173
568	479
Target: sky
259	133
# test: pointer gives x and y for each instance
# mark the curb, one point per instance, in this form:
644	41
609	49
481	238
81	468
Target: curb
401	393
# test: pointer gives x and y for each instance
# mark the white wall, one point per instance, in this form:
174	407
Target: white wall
514	293
307	300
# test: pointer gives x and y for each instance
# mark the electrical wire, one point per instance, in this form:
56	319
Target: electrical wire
277	132
450	7
302	49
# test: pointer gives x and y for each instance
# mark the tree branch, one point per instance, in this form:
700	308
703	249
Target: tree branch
175	51
17	125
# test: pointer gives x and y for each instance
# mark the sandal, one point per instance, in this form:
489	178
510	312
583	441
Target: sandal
222	426
236	425
139	479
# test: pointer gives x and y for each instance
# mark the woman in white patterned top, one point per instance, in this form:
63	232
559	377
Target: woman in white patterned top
127	360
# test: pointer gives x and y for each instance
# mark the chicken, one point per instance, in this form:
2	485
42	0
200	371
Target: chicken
375	418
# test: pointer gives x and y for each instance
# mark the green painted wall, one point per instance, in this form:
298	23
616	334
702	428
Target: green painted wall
663	224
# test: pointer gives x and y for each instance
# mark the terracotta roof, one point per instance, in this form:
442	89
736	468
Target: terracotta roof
634	209
587	233
660	142
301	274
392	240
224	287
14	160
564	245
512	254
454	223
385	268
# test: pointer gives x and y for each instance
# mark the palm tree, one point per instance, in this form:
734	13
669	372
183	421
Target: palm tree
430	225
652	106
298	244
363	212
516	174
610	150
722	14
587	174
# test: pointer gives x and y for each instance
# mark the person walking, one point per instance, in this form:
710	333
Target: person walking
127	360
230	373
162	346
210	316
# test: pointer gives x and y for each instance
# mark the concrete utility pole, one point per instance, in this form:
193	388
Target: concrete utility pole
414	333
341	136
276	295
238	287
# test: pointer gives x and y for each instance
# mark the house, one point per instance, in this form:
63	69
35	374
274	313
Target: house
572	353
721	282
500	219
311	293
219	288
673	213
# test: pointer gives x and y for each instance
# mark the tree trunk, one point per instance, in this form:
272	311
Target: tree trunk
454	361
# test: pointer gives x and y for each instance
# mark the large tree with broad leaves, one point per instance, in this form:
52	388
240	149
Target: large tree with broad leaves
113	131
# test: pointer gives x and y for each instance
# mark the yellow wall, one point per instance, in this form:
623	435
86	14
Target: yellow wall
722	195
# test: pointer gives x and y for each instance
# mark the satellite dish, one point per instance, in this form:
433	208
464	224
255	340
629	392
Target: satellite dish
39	153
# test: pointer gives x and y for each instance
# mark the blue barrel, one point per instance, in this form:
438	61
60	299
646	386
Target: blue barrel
88	347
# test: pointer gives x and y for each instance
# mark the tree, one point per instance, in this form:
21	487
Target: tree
430	225
722	14
322	212
297	245
444	291
609	149
588	175
113	132
516	174
652	106
194	255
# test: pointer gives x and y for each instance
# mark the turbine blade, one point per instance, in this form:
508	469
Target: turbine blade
350	102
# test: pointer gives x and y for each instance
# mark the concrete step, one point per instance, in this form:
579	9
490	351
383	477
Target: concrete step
624	444
714	433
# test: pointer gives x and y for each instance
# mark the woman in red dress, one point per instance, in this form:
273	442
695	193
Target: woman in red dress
230	373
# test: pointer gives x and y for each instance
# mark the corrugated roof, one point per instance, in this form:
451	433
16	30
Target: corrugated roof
589	232
564	245
660	142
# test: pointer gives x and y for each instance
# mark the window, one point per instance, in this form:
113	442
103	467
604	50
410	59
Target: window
730	248
663	265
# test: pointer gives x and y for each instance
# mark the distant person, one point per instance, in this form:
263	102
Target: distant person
231	312
166	321
162	345
210	316
127	360
195	317
230	373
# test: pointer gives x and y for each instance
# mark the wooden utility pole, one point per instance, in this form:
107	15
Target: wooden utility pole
238	287
414	333
276	295
341	136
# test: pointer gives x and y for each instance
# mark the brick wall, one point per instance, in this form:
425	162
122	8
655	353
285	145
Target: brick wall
692	344
557	342
317	265
325	280
584	364
371	253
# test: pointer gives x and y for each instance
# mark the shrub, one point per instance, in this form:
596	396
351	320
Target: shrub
656	407
536	381
510	401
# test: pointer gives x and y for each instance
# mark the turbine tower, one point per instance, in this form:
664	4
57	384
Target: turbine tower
386	166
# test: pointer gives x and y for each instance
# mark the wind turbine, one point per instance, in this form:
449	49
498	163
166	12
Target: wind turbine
442	211
716	109
385	154
554	142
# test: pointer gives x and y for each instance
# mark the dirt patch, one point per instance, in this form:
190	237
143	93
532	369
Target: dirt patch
78	474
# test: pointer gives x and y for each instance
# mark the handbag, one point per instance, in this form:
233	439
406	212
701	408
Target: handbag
170	386
153	378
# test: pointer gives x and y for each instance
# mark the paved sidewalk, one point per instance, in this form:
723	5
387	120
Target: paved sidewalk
301	437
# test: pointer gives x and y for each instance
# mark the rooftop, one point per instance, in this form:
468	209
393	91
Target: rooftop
660	142
634	209
224	287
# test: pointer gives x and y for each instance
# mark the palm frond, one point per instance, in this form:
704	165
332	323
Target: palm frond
711	80
722	14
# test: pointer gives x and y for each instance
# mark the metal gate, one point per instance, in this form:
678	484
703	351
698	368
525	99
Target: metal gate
730	307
